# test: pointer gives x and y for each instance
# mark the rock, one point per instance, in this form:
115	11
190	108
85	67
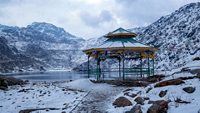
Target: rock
195	71
135	109
185	69
95	111
3	83
189	89
130	95
146	98
122	102
155	78
9	81
149	89
196	58
178	100
139	100
163	93
169	82
3	88
127	90
160	106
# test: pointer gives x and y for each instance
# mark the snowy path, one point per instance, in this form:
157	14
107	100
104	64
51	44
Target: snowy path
98	99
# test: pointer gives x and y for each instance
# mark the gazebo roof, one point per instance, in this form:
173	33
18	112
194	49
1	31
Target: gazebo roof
120	32
118	40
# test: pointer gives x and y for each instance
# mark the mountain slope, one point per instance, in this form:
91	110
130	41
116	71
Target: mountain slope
44	42
176	35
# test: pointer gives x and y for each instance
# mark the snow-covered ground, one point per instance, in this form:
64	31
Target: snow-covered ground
173	92
84	96
63	96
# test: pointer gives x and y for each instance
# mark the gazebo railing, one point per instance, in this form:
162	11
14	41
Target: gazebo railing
128	72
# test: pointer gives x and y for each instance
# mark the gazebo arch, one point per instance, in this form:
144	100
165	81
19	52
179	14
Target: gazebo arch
120	44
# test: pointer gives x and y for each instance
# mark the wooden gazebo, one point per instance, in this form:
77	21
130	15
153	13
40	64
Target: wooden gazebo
121	45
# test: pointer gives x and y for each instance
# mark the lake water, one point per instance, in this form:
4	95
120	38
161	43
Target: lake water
59	76
50	76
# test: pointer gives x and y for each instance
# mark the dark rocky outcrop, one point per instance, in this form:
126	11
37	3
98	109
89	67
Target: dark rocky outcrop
9	81
178	100
139	100
189	89
122	102
162	93
160	106
135	109
169	82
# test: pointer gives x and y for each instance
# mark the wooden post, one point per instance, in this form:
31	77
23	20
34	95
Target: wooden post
88	66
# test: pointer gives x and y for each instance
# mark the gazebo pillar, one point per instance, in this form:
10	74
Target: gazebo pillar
88	66
140	65
97	69
123	68
148	64
153	66
119	67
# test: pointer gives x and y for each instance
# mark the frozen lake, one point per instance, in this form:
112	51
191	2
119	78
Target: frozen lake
50	76
57	76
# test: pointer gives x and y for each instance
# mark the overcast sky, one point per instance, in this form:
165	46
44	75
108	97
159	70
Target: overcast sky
87	18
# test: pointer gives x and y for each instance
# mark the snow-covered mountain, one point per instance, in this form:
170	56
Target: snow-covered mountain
177	36
44	42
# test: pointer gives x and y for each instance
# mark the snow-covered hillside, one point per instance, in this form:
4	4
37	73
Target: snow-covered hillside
44	42
177	36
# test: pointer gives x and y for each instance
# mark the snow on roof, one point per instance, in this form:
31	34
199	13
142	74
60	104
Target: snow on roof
119	42
120	32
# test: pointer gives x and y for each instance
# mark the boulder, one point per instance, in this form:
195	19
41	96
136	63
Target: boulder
135	109
160	106
139	100
185	69
122	102
189	89
162	93
196	58
9	81
169	82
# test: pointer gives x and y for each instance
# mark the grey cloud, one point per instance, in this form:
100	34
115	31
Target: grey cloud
143	12
96	20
